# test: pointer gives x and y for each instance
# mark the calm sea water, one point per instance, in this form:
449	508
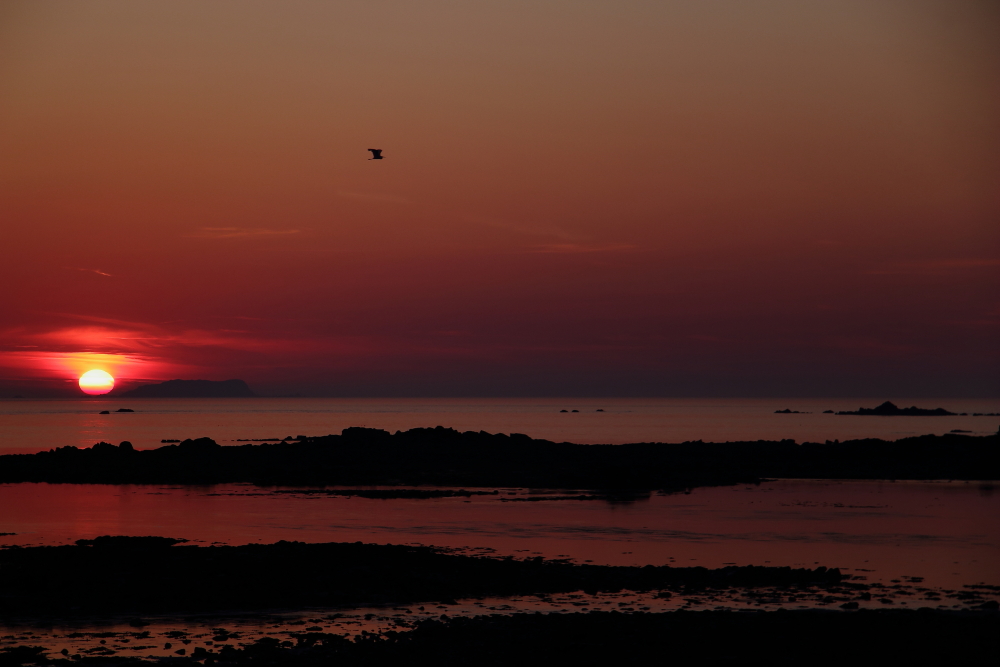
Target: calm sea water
922	543
29	425
946	532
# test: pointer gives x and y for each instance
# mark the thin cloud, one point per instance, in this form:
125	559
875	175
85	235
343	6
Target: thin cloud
528	230
373	196
101	320
239	232
581	248
100	273
934	266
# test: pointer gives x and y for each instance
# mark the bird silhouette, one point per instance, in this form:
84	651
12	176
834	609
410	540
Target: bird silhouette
376	153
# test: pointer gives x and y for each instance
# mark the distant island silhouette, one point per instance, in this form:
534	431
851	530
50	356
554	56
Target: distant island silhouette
889	409
191	389
446	457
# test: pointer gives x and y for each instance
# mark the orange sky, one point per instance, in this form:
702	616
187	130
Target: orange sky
578	197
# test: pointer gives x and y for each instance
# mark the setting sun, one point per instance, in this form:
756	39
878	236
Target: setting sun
96	382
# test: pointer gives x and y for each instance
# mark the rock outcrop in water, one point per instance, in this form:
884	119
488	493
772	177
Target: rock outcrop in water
446	457
191	389
889	409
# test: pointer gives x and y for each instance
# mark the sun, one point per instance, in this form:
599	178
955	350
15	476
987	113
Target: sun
96	382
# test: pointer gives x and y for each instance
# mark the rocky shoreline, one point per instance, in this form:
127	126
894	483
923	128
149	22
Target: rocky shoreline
446	457
919	637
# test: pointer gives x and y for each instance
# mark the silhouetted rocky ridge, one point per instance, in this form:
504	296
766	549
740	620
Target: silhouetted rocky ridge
117	574
191	389
446	457
889	409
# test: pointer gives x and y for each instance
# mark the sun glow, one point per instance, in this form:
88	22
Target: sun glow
96	382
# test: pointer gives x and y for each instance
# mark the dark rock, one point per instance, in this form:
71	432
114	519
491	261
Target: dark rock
105	412
783	638
129	543
124	410
888	409
144	575
448	458
199	445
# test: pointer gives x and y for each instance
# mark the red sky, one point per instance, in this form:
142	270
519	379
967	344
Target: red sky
580	197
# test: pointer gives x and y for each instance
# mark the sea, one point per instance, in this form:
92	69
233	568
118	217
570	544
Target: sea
33	425
928	543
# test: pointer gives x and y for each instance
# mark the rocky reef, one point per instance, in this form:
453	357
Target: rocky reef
446	457
867	637
889	409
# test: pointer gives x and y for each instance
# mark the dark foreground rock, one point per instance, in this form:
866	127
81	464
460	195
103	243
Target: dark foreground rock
158	574
191	389
445	457
894	637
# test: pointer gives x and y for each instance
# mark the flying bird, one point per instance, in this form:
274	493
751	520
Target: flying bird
376	153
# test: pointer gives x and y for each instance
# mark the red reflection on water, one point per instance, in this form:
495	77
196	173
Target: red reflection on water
948	533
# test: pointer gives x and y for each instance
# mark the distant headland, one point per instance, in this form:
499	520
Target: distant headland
191	389
889	409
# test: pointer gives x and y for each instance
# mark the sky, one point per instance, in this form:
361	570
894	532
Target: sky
579	197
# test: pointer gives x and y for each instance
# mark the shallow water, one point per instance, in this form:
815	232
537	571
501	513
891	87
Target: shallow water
924	542
33	425
946	532
921	544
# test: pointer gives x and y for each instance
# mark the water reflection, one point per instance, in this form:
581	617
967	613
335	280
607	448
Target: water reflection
947	533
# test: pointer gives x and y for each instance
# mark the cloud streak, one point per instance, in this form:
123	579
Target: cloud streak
581	248
935	266
239	232
527	230
373	196
100	273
